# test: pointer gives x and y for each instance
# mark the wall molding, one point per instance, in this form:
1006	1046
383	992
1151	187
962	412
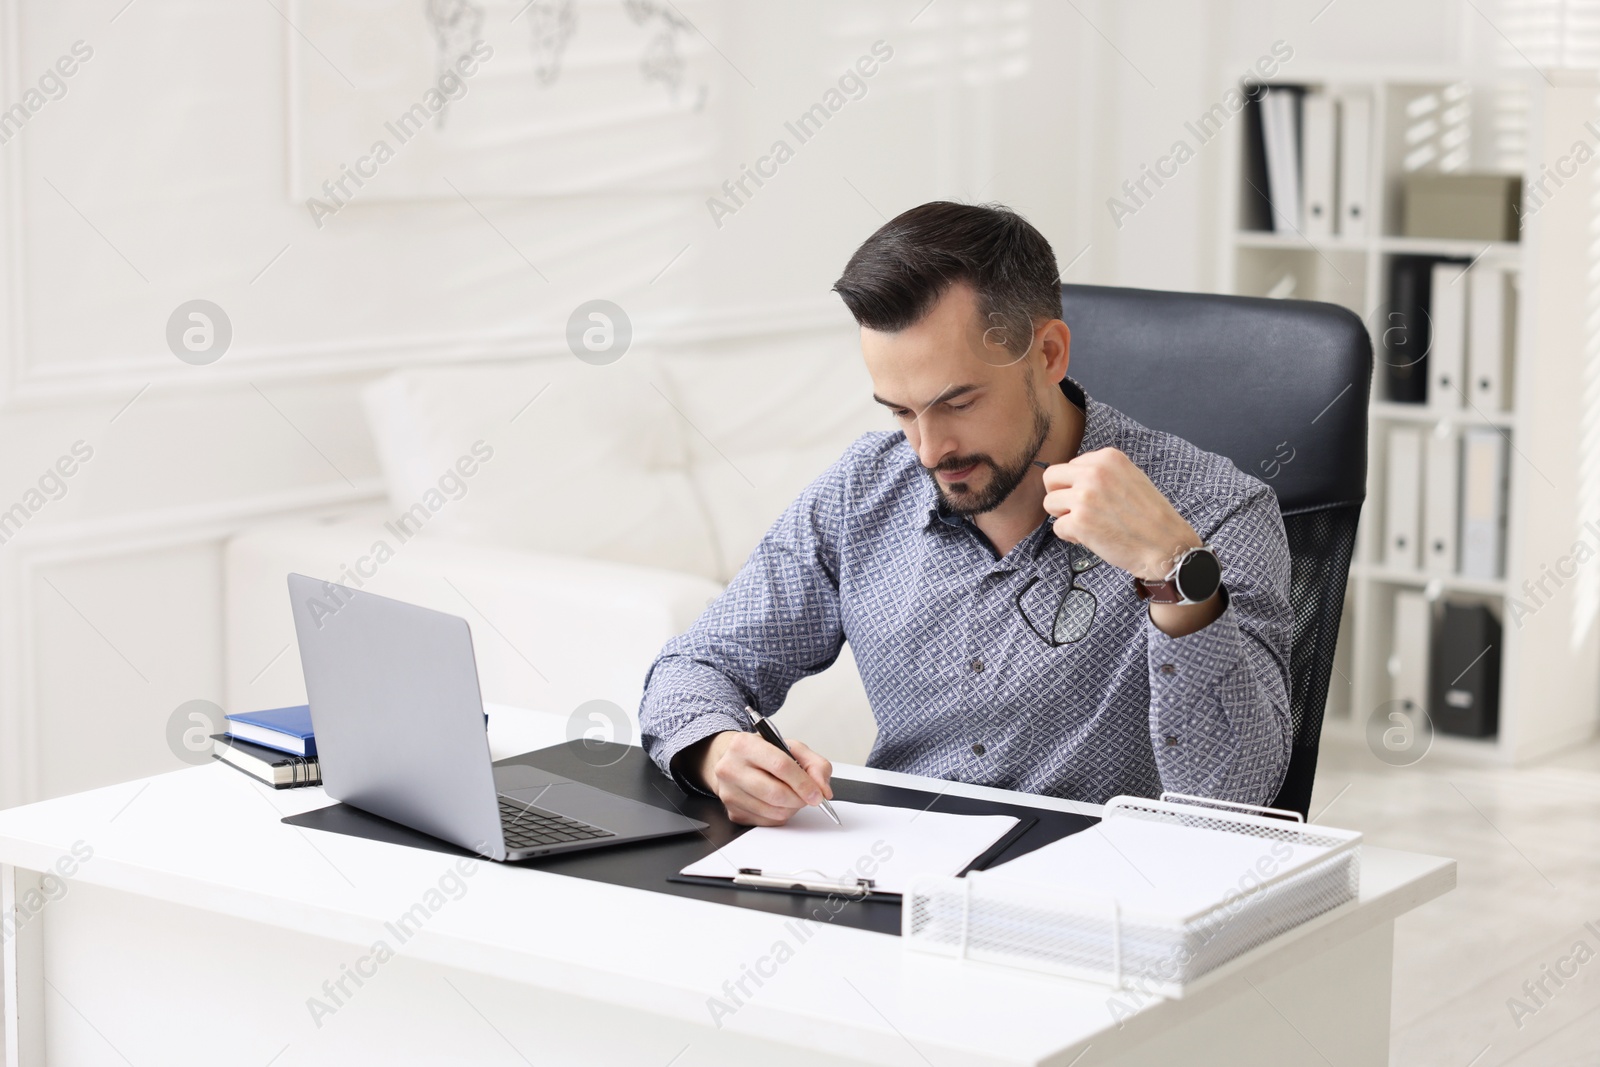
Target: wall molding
89	380
39	546
12	332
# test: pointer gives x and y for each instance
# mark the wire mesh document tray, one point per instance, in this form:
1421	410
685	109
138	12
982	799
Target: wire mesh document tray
1195	905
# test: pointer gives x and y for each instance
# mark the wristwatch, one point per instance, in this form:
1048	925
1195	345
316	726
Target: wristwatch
1192	580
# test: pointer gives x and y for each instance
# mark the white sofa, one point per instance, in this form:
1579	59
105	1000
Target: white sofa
576	516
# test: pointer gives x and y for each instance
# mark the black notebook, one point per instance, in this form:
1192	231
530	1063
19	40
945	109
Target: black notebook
281	770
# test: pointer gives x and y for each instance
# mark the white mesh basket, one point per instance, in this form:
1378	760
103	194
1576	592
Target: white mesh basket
1061	932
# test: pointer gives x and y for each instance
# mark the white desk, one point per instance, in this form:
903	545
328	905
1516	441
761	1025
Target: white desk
200	927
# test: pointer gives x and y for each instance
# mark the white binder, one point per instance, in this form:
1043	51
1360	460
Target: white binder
1490	338
1280	132
1440	496
1483	502
1408	665
1319	147
1402	499
1447	345
1355	152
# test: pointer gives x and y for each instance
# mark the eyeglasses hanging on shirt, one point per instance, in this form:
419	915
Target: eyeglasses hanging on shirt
1073	611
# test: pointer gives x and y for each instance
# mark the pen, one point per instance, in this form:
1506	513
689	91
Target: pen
771	735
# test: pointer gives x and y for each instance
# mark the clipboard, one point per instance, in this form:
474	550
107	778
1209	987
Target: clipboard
863	890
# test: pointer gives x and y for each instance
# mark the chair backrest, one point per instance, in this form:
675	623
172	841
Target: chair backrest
1280	387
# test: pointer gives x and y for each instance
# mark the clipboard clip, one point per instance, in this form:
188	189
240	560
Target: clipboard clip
814	881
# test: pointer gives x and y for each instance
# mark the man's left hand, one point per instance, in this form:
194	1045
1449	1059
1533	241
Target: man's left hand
1104	502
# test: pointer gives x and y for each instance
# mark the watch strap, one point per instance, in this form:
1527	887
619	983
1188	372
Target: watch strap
1163	592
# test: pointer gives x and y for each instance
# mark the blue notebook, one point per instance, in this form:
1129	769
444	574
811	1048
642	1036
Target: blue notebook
285	729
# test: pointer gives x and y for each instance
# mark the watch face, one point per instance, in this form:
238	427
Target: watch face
1199	576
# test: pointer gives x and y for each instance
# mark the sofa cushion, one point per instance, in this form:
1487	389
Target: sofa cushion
547	455
764	424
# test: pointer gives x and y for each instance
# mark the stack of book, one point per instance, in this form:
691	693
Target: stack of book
275	746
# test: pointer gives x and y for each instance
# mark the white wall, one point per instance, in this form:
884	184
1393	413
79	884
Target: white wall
161	177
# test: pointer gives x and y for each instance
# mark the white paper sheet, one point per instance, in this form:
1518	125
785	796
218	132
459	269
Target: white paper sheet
887	844
1157	867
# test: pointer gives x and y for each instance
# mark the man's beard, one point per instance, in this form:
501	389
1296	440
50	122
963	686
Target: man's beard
1005	478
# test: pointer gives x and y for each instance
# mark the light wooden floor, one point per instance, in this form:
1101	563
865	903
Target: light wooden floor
1527	843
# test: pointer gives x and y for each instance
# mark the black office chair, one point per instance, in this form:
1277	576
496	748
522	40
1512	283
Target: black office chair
1278	386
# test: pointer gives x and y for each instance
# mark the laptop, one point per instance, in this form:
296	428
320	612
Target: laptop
400	732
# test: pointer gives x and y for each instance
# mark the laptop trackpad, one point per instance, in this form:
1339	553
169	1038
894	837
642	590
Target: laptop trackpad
514	778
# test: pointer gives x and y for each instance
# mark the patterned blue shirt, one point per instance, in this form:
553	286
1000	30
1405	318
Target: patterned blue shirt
1039	671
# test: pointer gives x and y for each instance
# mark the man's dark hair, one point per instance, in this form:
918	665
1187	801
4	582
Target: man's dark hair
900	272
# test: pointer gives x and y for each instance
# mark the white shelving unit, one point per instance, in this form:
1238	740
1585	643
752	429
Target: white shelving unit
1550	661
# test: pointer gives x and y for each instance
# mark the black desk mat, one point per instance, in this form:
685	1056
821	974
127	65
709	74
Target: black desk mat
626	771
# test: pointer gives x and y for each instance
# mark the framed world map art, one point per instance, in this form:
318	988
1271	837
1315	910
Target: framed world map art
421	99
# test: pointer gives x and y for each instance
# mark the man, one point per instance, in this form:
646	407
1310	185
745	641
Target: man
1040	593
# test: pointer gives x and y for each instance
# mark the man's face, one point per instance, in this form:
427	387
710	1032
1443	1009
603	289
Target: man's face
966	404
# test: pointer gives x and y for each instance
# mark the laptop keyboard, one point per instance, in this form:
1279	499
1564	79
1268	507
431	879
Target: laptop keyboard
526	827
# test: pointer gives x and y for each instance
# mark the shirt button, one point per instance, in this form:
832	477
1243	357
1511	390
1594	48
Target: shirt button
1167	668
977	664
979	749
1171	740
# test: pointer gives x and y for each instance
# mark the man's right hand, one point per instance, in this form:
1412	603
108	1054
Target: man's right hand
757	783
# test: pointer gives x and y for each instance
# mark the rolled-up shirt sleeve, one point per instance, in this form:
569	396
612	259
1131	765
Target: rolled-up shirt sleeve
1219	697
777	622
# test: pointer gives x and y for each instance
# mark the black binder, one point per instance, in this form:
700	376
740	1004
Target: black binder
1405	331
1465	695
1255	204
